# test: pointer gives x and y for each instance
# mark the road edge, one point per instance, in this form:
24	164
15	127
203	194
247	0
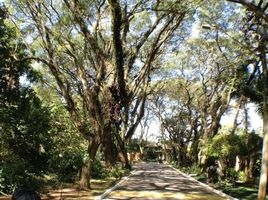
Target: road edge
204	185
108	191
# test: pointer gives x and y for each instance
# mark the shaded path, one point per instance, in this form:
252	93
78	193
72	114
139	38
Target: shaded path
159	181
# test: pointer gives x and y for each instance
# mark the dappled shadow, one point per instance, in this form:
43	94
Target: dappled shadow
73	193
67	193
159	181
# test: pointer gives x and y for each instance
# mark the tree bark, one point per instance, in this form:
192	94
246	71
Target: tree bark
235	123
264	166
110	151
85	176
123	150
251	165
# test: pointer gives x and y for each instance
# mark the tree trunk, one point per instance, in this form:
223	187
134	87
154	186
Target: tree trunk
237	163
84	182
123	150
251	165
174	155
85	176
264	166
110	151
235	123
183	157
246	124
246	169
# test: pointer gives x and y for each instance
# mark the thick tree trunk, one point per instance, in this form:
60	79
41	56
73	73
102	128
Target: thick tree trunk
183	157
264	166
84	182
175	155
110	152
85	175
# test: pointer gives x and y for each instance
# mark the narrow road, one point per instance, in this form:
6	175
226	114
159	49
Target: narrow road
159	181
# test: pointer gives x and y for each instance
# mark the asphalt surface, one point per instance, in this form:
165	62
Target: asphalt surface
159	181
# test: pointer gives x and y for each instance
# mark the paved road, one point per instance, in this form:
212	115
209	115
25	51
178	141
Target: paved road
159	181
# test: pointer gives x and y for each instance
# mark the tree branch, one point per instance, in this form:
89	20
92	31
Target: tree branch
251	7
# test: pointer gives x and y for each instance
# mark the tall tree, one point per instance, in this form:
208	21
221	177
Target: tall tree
257	21
101	54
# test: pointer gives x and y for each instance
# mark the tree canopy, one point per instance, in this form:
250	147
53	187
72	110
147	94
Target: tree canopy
78	77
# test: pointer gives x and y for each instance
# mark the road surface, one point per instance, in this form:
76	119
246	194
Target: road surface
159	181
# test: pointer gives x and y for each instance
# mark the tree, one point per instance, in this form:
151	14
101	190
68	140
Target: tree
100	65
257	16
25	138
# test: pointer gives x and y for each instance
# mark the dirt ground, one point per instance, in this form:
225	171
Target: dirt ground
71	192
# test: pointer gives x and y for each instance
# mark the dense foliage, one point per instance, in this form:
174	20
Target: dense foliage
25	140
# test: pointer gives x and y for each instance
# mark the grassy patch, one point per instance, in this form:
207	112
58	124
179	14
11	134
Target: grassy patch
244	191
240	191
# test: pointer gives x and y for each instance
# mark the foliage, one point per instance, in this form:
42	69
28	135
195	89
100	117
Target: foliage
224	145
243	191
196	172
232	175
98	170
25	139
133	145
116	172
194	169
69	148
152	153
242	176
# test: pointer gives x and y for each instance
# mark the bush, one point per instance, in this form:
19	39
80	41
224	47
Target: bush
224	145
98	171
116	172
232	175
15	174
242	176
194	169
67	165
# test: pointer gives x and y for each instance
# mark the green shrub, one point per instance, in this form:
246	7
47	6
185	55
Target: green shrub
116	172
15	174
242	176
98	171
194	169
67	165
224	145
232	175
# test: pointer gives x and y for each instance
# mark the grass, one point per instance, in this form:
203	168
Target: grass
243	191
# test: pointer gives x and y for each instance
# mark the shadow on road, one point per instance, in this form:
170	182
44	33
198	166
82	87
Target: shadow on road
159	181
